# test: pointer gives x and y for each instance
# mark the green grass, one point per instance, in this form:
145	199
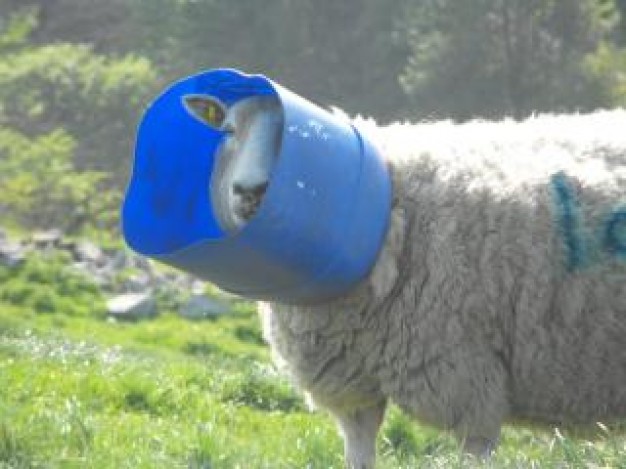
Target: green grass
149	402
78	391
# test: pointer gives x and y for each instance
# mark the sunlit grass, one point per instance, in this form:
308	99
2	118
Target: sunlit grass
80	391
105	406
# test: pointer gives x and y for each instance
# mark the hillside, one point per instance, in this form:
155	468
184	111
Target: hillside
81	389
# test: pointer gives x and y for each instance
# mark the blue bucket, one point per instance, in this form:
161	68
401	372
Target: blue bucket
319	227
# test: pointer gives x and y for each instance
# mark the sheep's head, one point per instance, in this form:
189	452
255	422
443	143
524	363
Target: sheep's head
243	163
243	183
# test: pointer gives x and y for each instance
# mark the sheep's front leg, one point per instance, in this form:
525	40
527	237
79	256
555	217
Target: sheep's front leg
359	428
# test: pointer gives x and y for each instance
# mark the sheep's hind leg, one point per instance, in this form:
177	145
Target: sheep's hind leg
463	391
479	404
479	446
359	428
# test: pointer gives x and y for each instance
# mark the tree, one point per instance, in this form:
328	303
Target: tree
66	120
606	67
504	57
334	53
105	25
97	97
39	187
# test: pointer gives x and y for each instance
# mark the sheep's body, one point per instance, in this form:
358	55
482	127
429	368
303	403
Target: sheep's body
499	294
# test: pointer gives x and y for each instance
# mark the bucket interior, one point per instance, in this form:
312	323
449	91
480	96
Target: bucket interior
167	206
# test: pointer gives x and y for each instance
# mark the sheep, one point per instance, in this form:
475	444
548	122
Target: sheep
499	294
246	156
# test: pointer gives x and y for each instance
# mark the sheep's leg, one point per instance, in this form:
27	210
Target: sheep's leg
478	400
359	428
479	427
480	446
465	392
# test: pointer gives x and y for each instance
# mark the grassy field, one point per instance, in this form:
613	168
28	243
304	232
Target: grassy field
79	391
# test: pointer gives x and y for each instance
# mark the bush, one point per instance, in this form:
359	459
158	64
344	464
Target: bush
46	284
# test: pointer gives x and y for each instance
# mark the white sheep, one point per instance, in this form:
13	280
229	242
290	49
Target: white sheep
499	294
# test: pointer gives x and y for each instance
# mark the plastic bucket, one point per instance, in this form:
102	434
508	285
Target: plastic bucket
320	225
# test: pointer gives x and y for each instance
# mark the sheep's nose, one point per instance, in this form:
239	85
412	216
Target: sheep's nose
254	190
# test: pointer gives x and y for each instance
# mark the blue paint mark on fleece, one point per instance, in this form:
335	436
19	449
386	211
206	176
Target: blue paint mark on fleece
615	233
568	221
581	247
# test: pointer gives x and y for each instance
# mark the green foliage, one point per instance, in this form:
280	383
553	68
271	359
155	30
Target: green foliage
249	334
65	112
492	59
40	188
335	53
92	96
168	299
16	28
607	68
44	284
83	72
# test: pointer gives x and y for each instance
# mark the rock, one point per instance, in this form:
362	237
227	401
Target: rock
47	239
142	263
173	279
86	251
132	306
197	287
68	245
203	307
137	282
118	260
102	276
11	254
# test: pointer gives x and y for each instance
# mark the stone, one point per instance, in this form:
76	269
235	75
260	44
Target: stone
102	276
118	260
68	245
11	254
137	282
140	262
197	287
86	251
47	239
203	307
132	306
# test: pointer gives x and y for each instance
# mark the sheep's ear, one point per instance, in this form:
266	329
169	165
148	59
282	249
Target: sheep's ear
206	109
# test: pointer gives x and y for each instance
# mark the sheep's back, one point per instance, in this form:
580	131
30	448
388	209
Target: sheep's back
498	244
519	242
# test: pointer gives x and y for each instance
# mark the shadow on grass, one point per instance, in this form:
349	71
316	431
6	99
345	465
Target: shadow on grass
14	452
202	349
249	334
257	389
